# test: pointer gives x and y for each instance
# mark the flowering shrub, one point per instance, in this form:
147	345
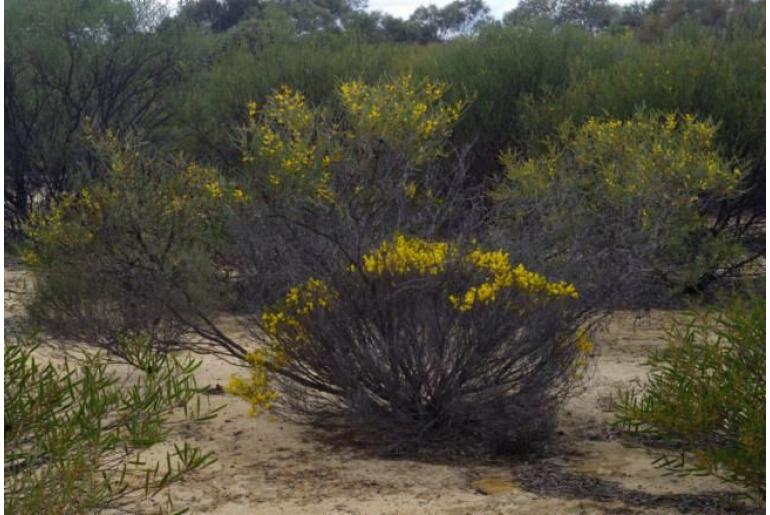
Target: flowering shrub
406	114
408	342
631	194
135	251
290	142
324	187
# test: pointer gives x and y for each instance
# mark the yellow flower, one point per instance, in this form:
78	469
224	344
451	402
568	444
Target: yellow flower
410	189
30	258
403	255
214	190
252	109
239	196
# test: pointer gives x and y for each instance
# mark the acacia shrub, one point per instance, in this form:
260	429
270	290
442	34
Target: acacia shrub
628	200
322	185
138	250
424	345
705	396
395	324
700	73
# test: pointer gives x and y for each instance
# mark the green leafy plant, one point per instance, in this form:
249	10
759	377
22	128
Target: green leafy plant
705	396
630	199
139	249
72	432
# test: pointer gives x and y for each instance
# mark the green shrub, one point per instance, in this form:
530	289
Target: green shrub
138	250
703	74
705	396
71	433
497	70
629	199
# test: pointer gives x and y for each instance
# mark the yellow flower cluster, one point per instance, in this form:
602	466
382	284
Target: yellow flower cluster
677	152
418	122
435	90
502	275
257	389
584	347
282	324
214	190
240	197
299	303
410	189
403	255
197	187
583	344
252	109
667	160
285	137
70	222
271	143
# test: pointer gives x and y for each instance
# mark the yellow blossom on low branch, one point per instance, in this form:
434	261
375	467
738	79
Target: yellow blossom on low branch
503	275
299	303
404	255
257	389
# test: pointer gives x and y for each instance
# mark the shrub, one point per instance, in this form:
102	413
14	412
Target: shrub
323	187
705	397
628	199
71	433
211	103
424	344
704	74
138	250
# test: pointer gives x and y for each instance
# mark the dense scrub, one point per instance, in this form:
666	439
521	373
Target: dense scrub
631	200
417	237
361	226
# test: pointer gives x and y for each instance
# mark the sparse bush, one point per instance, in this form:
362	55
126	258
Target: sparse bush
138	250
628	199
424	345
72	432
705	396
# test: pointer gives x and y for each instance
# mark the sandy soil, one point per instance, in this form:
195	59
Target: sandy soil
271	466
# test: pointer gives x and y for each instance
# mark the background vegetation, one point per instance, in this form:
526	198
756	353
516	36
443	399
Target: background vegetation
420	221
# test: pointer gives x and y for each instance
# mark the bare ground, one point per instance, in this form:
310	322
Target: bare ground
268	465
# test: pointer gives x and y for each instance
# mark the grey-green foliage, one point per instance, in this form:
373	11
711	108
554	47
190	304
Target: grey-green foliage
69	62
71	431
705	397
